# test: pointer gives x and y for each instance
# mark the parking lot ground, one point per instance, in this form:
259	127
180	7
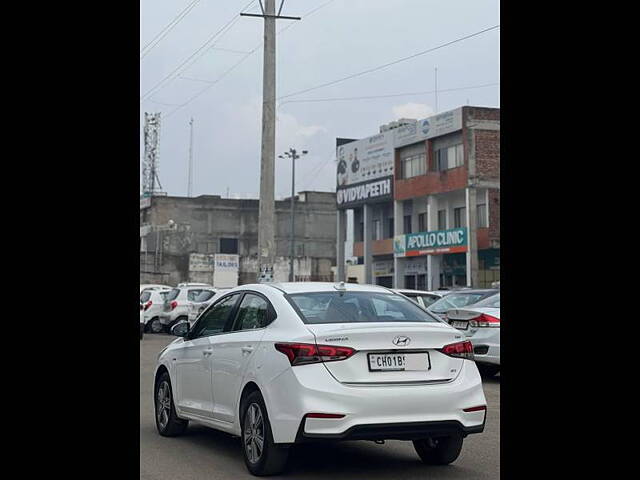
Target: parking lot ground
206	454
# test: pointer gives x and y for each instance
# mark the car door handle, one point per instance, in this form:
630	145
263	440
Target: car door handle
208	351
246	349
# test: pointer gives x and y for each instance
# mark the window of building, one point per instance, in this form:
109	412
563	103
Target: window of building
483	221
413	160
459	217
422	225
361	232
448	157
407	224
442	219
377	230
228	245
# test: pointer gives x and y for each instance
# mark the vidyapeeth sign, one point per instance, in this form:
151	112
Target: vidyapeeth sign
430	243
360	193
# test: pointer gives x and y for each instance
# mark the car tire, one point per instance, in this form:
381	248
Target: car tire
167	421
256	428
440	450
488	370
154	325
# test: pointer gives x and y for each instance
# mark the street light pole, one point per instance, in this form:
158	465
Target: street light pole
294	156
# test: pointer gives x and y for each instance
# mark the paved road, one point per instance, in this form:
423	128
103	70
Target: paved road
205	454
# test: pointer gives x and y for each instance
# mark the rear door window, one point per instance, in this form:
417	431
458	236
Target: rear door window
172	295
204	295
193	293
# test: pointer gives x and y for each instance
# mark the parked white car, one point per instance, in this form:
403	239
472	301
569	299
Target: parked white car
480	323
421	297
176	303
202	301
360	362
153	305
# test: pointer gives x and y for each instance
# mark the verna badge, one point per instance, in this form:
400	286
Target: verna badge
401	341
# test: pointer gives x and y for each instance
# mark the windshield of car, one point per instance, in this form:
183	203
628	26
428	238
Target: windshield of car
492	302
454	300
429	299
356	307
204	295
172	295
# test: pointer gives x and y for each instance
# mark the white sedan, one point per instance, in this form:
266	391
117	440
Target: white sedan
280	364
480	323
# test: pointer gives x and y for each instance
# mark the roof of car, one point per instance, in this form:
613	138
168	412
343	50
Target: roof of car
476	290
418	292
306	287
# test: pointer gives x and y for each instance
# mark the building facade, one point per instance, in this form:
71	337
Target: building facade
425	197
192	239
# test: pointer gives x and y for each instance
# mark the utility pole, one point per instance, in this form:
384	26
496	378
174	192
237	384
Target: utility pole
190	180
436	89
266	213
292	238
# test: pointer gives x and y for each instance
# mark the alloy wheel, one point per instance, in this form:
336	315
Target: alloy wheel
156	326
254	433
163	404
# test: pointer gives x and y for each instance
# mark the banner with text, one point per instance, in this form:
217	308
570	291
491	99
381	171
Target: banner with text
430	243
365	192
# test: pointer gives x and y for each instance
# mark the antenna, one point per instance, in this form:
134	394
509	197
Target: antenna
151	162
190	184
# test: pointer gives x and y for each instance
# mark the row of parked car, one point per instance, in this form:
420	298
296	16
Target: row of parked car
475	312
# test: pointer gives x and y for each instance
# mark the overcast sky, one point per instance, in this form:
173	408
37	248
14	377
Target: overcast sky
341	38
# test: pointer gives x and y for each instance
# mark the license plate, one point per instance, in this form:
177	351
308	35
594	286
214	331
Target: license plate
460	325
398	362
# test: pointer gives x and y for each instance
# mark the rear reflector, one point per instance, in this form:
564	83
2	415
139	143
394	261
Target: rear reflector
305	353
459	350
324	415
475	409
485	320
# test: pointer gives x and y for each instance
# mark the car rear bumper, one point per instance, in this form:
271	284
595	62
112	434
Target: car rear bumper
393	431
371	412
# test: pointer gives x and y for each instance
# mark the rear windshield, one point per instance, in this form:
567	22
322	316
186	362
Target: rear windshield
357	307
492	302
172	294
455	300
203	296
145	296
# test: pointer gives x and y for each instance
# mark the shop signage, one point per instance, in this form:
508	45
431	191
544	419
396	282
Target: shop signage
430	243
382	269
434	126
365	160
347	197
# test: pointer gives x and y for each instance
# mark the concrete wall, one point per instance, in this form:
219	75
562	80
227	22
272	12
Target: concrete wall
203	221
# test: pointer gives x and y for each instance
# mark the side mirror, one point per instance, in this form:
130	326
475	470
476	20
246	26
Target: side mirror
180	329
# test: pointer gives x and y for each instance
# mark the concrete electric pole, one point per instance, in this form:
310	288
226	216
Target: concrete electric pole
292	154
266	214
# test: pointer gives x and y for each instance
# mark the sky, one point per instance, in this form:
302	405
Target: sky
334	39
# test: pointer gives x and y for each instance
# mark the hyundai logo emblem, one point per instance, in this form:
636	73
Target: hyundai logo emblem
401	341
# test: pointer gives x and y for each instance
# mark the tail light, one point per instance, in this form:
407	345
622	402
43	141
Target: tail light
479	408
459	350
305	353
147	305
485	320
173	304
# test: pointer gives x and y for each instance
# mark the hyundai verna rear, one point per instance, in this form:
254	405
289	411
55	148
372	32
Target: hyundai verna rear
281	364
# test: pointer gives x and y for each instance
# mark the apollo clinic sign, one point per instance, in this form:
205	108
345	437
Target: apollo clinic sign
430	243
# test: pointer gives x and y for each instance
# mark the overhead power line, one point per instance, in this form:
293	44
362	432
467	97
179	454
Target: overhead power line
380	67
391	95
234	66
202	47
167	28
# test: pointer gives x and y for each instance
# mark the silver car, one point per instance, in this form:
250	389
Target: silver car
480	323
